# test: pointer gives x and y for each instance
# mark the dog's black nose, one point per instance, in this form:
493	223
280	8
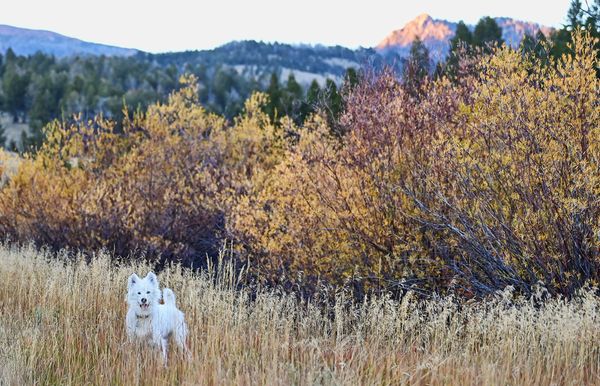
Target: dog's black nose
143	300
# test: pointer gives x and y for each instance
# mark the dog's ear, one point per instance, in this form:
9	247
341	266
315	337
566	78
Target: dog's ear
132	280
152	278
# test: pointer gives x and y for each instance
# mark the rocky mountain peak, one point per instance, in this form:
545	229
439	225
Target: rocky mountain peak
436	35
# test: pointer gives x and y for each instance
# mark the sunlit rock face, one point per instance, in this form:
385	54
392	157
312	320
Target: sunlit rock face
436	35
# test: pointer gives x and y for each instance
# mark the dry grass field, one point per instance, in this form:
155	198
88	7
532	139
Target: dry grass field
62	322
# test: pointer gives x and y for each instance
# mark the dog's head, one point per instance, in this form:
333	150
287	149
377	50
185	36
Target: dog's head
143	294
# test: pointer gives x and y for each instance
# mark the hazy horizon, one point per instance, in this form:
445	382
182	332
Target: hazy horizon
178	27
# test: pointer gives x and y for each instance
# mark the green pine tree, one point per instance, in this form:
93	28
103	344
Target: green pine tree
462	36
417	67
2	136
292	98
274	106
586	18
14	86
528	44
487	32
350	79
333	104
575	14
460	46
310	103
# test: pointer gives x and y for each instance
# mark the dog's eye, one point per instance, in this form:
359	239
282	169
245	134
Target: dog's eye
139	293
147	292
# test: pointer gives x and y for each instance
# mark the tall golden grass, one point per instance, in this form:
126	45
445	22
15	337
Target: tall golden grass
62	322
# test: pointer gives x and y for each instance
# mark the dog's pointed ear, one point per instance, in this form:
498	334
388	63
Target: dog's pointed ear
152	278
132	280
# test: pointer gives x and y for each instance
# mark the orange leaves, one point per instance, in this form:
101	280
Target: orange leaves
161	186
488	180
493	180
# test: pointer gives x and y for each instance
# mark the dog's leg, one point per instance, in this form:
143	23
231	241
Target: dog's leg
130	324
180	339
159	341
164	344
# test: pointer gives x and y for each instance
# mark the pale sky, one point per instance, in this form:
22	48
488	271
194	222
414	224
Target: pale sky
176	25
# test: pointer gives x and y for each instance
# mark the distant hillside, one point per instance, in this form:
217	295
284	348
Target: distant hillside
27	42
97	79
436	35
258	60
250	59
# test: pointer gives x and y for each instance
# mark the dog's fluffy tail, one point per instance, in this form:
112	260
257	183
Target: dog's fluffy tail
168	297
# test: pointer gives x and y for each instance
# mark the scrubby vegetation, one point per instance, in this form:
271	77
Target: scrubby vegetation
486	183
36	89
62	322
464	185
39	88
429	229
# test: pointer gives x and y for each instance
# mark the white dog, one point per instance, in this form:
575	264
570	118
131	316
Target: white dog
147	319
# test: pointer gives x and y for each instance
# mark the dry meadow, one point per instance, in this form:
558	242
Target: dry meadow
62	322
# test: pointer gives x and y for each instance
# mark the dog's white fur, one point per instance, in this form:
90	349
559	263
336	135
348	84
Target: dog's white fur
149	320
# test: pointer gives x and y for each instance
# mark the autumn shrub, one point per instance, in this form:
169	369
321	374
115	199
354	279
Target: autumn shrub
518	196
161	187
463	185
467	186
335	210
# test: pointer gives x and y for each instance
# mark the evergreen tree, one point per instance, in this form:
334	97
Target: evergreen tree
560	41
292	98
223	83
293	87
14	86
417	67
463	35
273	107
460	45
487	32
333	104
2	136
10	57
540	38
541	46
47	92
575	14
440	70
12	146
528	44
350	78
312	95
577	17
309	105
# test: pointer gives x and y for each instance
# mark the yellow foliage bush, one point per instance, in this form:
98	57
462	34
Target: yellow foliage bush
475	185
468	185
161	187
